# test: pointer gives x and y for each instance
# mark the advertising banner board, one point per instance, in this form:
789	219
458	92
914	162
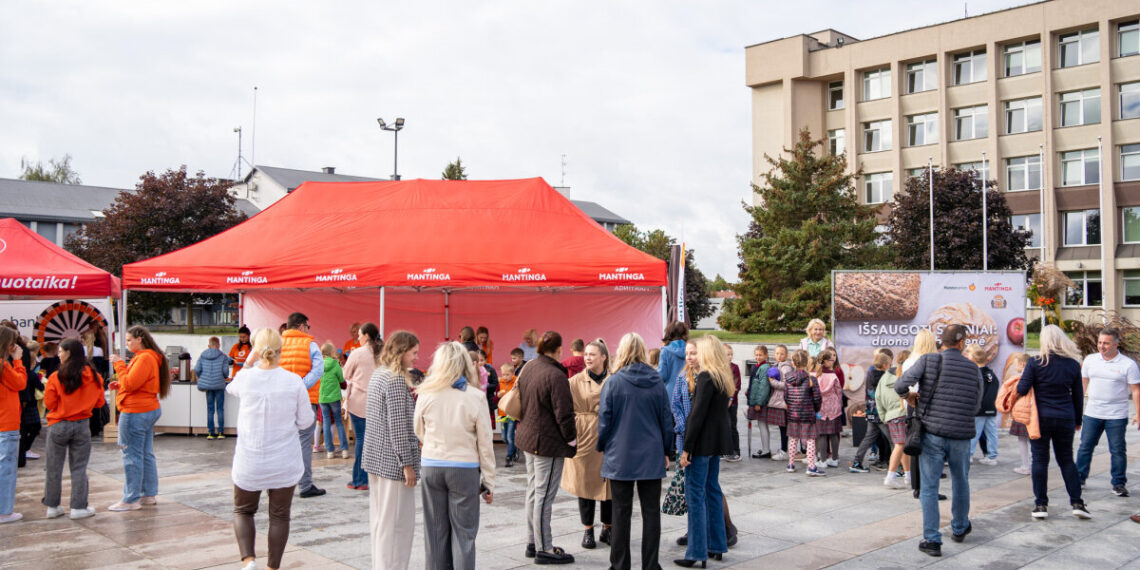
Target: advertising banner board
47	320
873	309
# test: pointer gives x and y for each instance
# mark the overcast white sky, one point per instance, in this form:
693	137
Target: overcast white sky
646	99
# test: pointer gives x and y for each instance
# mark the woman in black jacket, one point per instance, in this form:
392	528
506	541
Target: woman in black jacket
1055	376
708	435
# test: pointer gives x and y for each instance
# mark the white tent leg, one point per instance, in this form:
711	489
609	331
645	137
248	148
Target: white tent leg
664	309
381	327
446	315
123	323
241	309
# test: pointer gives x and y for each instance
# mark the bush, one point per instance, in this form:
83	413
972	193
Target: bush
1034	326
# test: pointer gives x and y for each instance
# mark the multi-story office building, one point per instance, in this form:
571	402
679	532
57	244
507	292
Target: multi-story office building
1047	95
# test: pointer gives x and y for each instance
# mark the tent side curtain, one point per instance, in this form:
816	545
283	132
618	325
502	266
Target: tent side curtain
586	313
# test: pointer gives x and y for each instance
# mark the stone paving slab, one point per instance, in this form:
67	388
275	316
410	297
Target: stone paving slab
844	520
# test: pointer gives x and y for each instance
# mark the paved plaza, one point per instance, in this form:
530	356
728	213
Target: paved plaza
786	520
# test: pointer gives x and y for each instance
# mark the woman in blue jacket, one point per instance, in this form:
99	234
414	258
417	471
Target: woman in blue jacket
635	432
673	354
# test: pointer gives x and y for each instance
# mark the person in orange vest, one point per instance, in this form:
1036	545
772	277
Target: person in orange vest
301	355
353	342
240	351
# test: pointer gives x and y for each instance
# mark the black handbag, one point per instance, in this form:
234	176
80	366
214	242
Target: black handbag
914	427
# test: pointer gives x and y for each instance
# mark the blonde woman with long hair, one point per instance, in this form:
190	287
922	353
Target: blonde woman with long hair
923	344
635	430
708	436
1055	377
391	452
274	405
458	458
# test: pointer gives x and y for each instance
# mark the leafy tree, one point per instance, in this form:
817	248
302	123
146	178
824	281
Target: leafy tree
59	171
165	212
659	244
455	170
957	225
808	223
719	284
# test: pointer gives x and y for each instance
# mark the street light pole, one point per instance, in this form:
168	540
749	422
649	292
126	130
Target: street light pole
395	128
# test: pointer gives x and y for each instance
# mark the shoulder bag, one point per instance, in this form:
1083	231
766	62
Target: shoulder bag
914	427
674	503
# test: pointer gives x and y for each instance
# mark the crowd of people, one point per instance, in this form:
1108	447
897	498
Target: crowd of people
594	424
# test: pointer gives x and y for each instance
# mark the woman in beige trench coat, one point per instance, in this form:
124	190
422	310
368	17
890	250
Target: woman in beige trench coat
582	474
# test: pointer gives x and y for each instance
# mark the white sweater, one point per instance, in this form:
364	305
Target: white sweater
455	426
274	405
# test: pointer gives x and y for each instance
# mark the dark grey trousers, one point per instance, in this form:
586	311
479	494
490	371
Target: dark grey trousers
451	516
73	441
543	475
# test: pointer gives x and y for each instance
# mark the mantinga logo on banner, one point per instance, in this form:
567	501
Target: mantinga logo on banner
887	309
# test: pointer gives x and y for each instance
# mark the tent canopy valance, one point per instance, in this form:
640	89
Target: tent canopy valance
436	234
32	266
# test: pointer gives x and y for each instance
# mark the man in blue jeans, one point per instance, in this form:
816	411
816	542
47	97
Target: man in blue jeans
949	396
1110	379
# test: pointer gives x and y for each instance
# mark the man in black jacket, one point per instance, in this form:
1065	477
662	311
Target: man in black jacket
949	396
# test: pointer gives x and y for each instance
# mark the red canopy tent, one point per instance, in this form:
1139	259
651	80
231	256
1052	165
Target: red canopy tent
508	254
31	267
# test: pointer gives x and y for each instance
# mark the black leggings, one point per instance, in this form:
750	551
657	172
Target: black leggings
28	433
784	438
586	511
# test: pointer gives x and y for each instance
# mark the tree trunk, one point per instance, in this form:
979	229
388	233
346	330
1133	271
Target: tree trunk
190	314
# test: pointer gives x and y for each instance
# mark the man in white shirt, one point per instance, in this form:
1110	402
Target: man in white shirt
1110	378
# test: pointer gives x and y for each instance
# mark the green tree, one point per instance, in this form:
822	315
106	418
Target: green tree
59	171
165	212
808	223
455	170
719	284
957	225
659	244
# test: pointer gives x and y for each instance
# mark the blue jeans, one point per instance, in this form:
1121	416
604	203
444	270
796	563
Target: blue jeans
215	402
359	475
706	508
986	426
9	447
330	413
136	441
937	450
509	435
1090	437
306	439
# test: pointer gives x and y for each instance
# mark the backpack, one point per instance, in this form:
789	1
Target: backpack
760	389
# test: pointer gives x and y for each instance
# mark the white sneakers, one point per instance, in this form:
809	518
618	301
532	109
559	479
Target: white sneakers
779	456
77	514
54	512
987	461
10	517
121	507
832	463
251	565
894	481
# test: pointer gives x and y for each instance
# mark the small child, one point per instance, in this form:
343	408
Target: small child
890	409
985	423
506	383
881	360
829	424
1016	366
212	369
72	391
517	360
759	395
332	382
783	369
804	400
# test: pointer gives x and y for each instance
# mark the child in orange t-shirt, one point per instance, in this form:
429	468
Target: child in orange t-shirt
70	395
506	383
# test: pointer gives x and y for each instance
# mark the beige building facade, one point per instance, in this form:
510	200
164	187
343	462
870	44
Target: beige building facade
1045	96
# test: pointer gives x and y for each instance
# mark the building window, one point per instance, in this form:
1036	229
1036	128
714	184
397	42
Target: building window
1080	167
835	95
876	84
919	172
1131	224
1130	100
1078	48
47	230
1080	107
1030	223
1082	227
921	76
879	187
1130	162
1131	288
1022	58
837	141
1023	115
1128	38
1087	292
877	136
971	123
970	67
1023	173
983	170
922	129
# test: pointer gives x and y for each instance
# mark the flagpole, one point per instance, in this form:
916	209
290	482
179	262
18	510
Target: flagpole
985	220
931	177
1041	193
1104	258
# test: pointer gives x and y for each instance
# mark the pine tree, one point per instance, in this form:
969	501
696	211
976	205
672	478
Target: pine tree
455	170
957	224
808	223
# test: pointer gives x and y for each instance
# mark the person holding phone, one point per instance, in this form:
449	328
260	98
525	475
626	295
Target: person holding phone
13	378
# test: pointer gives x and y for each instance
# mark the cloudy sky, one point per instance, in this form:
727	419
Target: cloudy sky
645	99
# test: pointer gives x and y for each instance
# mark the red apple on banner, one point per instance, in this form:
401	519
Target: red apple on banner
1015	331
